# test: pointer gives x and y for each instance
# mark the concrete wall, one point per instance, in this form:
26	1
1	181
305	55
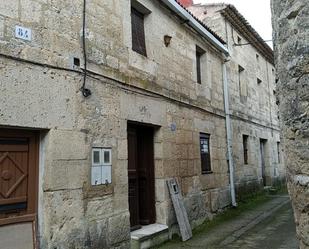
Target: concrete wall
291	30
160	89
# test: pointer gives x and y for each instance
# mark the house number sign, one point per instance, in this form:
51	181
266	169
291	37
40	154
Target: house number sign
23	33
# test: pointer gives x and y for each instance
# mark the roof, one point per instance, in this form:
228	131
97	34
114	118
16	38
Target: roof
243	26
203	24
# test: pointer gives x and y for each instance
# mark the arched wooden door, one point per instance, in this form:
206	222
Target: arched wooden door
18	176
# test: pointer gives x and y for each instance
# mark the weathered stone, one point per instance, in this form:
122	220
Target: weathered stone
159	90
122	233
291	32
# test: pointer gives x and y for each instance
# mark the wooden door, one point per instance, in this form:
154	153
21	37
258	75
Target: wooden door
262	149
133	179
18	176
146	176
141	175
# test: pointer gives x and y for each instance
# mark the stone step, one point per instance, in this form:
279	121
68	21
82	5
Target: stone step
16	236
149	236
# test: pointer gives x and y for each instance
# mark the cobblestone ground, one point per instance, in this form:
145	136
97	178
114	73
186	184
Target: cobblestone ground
251	230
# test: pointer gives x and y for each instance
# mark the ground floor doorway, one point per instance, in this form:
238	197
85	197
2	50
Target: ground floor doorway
18	176
141	175
262	153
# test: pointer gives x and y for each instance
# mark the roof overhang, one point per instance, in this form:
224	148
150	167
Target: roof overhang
247	31
192	22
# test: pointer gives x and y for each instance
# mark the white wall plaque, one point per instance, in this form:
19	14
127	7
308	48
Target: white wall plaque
23	33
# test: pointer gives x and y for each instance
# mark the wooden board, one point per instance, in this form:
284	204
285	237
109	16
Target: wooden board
179	207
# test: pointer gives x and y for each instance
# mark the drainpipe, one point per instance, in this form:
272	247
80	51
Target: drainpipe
228	133
191	21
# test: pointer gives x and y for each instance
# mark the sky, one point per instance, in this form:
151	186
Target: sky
257	13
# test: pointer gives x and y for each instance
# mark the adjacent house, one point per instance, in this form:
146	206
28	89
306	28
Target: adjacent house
257	152
103	101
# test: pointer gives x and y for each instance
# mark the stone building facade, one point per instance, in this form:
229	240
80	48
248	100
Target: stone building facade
291	32
81	152
254	111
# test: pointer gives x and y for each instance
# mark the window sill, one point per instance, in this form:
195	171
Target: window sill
207	172
144	55
142	63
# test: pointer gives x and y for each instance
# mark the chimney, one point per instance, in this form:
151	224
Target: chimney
186	3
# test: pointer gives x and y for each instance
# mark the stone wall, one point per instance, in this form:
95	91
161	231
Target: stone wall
253	105
291	33
40	90
100	217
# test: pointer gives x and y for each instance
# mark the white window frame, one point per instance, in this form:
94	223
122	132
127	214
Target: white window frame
100	160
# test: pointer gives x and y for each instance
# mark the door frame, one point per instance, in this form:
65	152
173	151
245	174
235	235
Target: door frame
151	172
32	203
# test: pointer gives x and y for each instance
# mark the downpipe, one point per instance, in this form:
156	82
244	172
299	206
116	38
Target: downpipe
228	133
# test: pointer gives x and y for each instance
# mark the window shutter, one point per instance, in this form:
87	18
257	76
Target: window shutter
245	147
138	32
198	67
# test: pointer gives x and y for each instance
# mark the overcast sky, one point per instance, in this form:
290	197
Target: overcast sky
257	12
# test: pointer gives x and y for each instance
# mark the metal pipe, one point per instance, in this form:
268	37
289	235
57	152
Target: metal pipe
186	16
85	91
229	134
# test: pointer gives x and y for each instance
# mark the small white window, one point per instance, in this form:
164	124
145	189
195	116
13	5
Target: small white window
101	169
96	157
106	156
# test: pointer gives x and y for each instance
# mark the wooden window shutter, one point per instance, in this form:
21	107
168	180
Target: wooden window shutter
198	68
138	32
245	148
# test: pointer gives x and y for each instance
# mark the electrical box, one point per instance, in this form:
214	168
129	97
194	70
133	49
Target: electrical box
101	169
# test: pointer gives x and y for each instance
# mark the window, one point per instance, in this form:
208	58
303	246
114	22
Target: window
241	82
101	170
76	61
259	81
245	147
278	152
199	53
138	32
205	153
238	40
